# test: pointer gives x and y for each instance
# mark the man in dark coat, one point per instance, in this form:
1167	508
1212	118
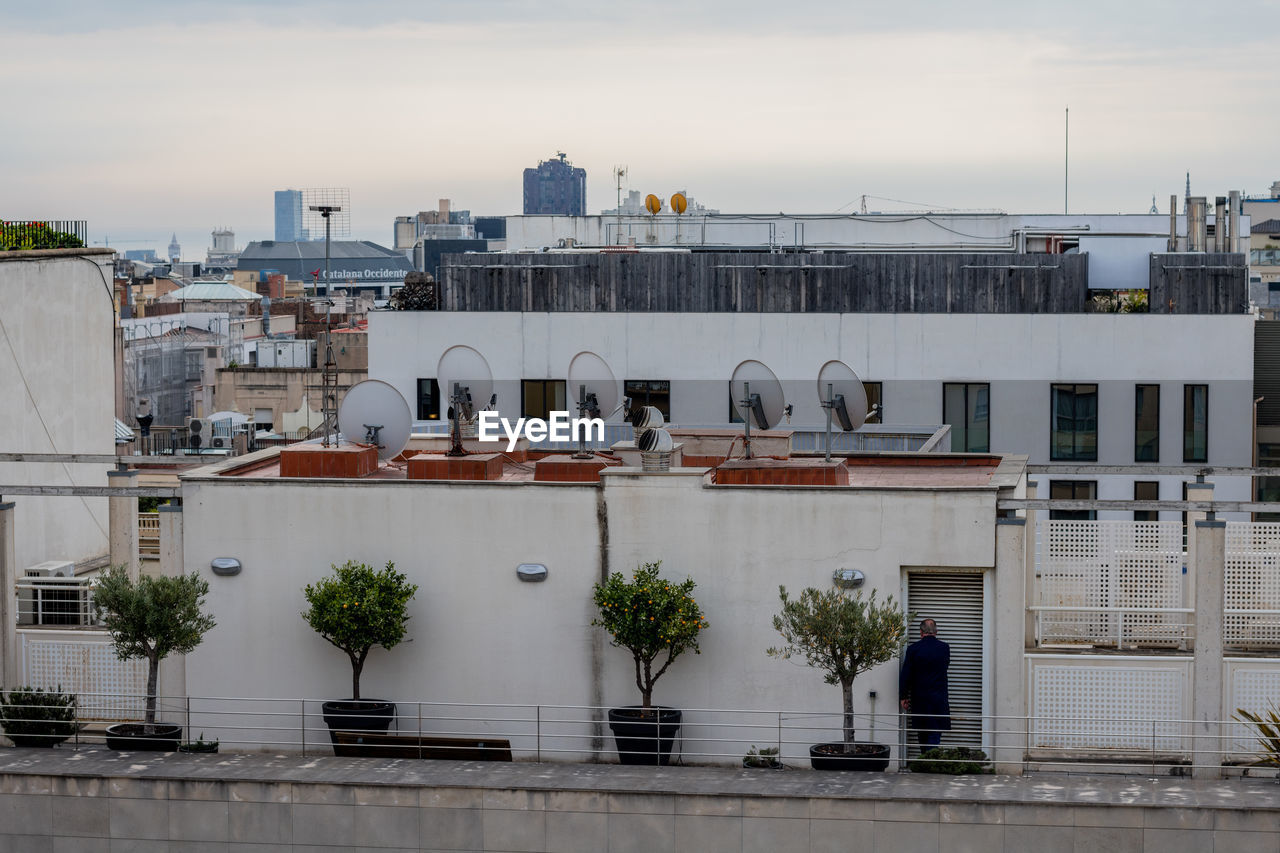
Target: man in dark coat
922	685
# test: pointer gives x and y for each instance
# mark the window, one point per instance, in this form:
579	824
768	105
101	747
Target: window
874	397
649	392
1195	423
1073	490
965	407
1146	490
1146	423
540	397
1074	422
428	400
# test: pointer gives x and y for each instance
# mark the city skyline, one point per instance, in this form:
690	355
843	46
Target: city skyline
200	112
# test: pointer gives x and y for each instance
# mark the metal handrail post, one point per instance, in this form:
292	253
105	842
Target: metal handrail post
303	717
538	731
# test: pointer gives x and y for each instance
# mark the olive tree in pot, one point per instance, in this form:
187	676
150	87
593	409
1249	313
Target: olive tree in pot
356	608
151	618
844	635
656	620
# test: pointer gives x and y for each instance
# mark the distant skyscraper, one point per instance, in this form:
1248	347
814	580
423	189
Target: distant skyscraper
555	187
288	215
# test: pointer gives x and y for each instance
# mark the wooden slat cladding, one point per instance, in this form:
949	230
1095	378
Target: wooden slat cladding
1196	283
767	283
1266	371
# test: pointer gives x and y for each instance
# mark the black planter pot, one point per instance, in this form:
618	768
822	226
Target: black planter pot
868	757
644	735
139	737
358	715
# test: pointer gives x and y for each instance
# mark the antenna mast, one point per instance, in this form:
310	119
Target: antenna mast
619	172
1066	157
330	382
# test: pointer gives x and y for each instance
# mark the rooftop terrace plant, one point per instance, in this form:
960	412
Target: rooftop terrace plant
653	618
359	607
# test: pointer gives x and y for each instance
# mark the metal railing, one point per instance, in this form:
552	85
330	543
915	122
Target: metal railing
43	234
580	734
1118	626
149	535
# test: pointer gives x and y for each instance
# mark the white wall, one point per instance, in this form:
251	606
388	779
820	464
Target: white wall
57	387
478	635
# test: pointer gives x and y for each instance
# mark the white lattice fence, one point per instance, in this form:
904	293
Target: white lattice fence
84	663
1112	574
1093	704
1253	685
1252	583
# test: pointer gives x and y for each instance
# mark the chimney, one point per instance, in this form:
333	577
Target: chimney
1233	215
1173	223
1197	228
1220	224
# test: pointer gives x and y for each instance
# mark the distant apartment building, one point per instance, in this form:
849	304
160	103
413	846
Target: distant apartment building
555	187
288	215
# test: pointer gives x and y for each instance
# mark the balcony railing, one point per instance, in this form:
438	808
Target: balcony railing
21	235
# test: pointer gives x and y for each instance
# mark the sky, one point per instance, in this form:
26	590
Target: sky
147	117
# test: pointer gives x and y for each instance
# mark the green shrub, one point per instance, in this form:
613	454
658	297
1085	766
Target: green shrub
358	608
33	717
1266	727
953	760
648	616
35	235
764	757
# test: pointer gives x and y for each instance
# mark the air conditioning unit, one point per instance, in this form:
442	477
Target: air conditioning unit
52	569
218	441
50	594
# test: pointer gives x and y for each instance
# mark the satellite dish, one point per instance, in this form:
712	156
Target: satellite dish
842	394
467	382
373	412
652	203
756	394
591	376
679	203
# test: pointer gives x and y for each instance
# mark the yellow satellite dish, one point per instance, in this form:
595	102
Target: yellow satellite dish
679	203
652	203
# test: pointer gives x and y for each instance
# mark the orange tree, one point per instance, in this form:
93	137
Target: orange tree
649	617
843	635
359	607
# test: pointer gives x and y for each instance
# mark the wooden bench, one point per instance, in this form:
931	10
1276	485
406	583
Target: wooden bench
383	745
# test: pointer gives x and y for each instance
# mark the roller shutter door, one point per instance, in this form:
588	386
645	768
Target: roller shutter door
954	600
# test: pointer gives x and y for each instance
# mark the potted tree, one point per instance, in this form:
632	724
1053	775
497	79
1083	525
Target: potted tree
844	635
656	620
31	716
151	618
356	608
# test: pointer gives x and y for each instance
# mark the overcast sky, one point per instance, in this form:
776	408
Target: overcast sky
148	117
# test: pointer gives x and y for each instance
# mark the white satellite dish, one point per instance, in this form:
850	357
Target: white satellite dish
373	412
590	377
467	383
842	395
756	395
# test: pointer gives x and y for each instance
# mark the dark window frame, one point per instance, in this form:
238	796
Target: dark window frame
1153	442
644	396
968	427
1090	487
1189	431
875	396
545	413
1076	455
430	404
1146	514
